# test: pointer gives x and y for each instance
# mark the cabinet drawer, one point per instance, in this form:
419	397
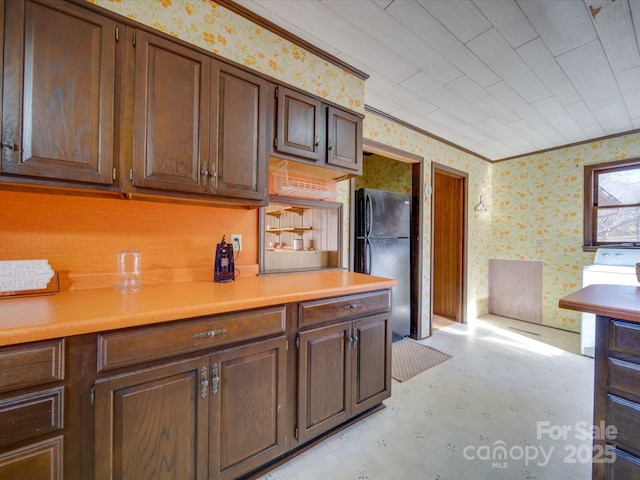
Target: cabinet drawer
42	460
625	416
31	364
624	377
337	308
624	467
27	416
624	337
136	345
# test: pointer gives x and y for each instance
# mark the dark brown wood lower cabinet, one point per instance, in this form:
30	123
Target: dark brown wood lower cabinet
343	370
616	448
371	368
215	397
37	461
32	416
324	365
152	423
247	413
214	416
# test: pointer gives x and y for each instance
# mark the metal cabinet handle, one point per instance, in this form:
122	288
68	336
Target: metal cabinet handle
317	144
204	383
355	339
209	334
215	379
8	141
205	174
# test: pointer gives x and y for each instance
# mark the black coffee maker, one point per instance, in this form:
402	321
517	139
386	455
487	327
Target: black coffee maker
223	269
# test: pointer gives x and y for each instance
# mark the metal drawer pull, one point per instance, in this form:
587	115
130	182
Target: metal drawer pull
209	334
352	306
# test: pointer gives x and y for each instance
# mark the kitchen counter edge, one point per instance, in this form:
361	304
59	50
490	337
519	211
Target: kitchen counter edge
616	301
79	312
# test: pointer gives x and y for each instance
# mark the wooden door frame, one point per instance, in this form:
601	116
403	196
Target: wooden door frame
463	290
417	227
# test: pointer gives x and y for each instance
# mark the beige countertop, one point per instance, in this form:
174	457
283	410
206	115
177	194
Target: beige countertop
617	301
94	310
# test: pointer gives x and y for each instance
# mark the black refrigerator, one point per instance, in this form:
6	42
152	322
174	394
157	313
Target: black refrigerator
382	248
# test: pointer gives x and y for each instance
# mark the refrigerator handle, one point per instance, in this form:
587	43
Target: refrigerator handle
368	215
367	252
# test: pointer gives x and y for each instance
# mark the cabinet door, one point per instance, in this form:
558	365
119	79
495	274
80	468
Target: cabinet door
300	126
324	368
247	408
58	93
239	119
344	139
171	111
153	424
371	367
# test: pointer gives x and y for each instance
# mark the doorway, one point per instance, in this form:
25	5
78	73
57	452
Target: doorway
448	240
417	195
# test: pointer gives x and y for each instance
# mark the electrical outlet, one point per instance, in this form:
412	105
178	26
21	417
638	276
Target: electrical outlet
236	242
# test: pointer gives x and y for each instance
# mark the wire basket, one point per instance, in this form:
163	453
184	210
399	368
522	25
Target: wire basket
289	186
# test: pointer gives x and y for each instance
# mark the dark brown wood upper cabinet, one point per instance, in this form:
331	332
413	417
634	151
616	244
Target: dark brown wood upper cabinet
200	126
309	131
300	126
171	116
239	132
344	139
58	93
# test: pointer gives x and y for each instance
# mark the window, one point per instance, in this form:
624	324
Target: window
612	203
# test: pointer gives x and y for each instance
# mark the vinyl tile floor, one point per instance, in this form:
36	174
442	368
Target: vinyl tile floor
505	406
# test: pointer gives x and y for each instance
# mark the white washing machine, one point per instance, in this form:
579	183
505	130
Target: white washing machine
611	266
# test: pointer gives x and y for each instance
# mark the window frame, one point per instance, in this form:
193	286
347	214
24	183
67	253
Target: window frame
591	194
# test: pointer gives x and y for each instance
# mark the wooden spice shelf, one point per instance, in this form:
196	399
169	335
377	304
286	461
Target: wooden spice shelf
297	230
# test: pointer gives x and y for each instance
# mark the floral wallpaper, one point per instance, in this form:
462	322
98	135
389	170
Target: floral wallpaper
386	174
538	215
389	133
212	27
535	212
534	203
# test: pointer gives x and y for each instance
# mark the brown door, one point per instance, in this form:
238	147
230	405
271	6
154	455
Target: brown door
57	119
448	243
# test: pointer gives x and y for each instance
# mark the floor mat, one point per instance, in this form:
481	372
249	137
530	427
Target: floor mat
409	358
